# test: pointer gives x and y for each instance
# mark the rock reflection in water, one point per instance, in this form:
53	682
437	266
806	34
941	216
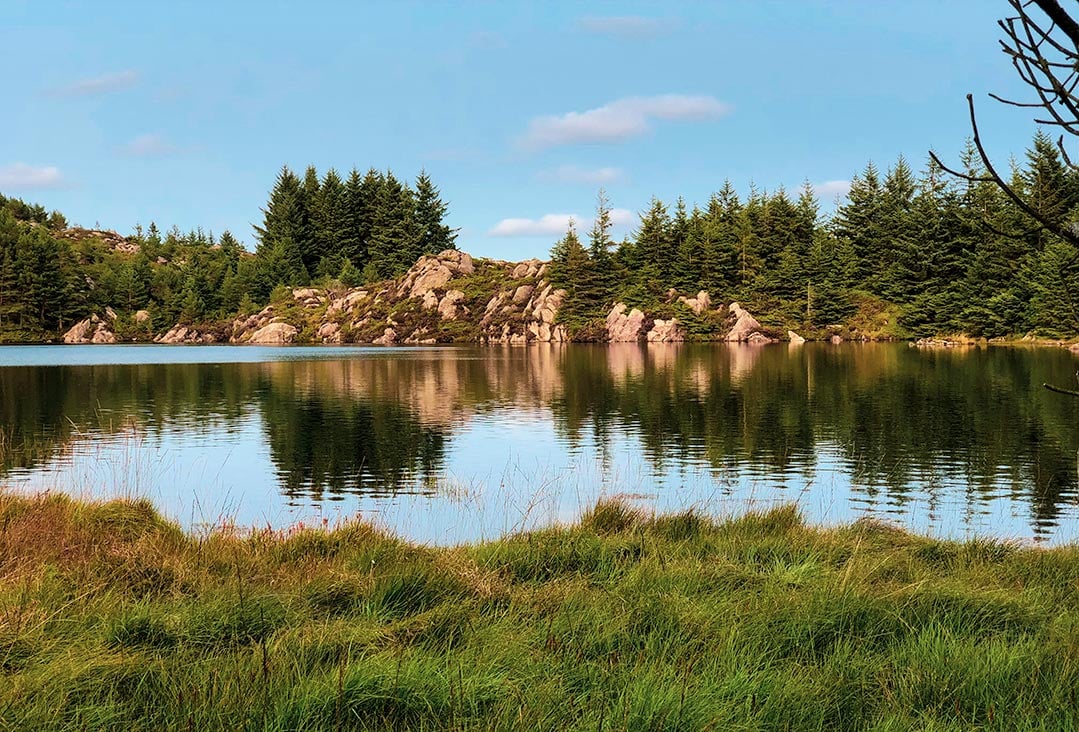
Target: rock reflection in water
884	427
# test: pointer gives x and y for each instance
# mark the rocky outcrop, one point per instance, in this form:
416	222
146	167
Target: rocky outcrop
347	303
529	268
525	313
92	330
432	273
329	333
697	304
447	306
388	337
109	238
744	324
274	334
794	338
623	327
309	297
184	334
665	331
449	297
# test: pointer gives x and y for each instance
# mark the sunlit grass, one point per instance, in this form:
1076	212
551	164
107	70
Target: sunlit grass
112	618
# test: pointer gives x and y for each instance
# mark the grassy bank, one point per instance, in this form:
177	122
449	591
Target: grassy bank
111	618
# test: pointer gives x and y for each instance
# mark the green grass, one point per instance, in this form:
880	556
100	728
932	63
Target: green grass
112	618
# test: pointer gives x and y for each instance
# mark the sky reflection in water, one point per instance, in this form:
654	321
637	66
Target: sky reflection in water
456	444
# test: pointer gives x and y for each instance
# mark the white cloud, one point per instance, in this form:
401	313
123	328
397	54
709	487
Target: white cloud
551	224
21	175
626	26
619	120
103	84
555	224
577	174
829	189
148	145
622	217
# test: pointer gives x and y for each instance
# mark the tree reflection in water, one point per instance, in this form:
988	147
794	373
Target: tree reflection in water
970	423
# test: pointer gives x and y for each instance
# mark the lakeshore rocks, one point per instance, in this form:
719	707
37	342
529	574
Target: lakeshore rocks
329	332
449	297
939	343
836	339
388	337
623	327
183	334
665	331
794	338
92	330
274	334
757	338
744	324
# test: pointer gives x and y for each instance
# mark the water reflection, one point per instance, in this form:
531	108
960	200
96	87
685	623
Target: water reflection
954	434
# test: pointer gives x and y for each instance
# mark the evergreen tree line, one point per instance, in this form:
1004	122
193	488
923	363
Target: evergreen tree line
363	228
366	228
945	255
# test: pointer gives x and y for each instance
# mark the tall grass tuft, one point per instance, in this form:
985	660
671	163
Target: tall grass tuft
113	619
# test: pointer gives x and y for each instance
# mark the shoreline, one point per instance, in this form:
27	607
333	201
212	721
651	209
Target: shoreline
926	343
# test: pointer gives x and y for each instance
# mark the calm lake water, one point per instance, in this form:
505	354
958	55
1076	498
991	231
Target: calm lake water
457	444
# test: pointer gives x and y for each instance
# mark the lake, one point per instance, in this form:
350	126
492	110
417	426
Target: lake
453	444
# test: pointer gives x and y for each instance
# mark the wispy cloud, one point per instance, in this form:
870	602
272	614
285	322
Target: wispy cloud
23	176
829	189
150	144
577	174
620	120
104	84
621	217
626	26
554	224
548	225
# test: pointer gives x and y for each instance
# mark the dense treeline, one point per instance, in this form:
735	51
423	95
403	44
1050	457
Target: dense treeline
904	254
361	229
932	254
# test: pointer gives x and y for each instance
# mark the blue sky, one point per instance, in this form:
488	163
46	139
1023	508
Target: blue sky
182	113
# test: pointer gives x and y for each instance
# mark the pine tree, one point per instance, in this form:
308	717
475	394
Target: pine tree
720	243
858	221
897	244
435	236
284	225
395	237
330	217
353	243
653	252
